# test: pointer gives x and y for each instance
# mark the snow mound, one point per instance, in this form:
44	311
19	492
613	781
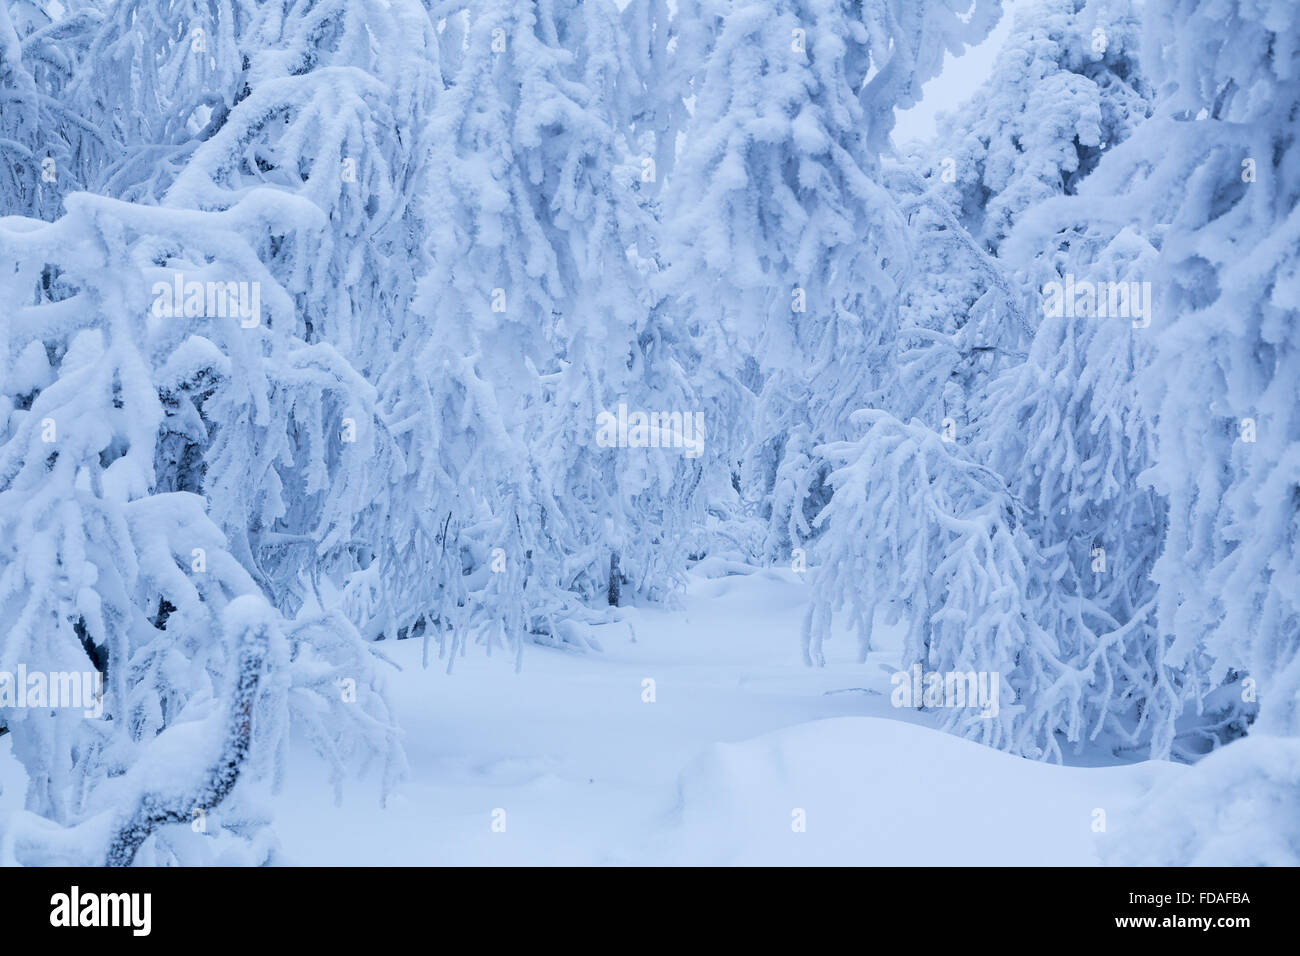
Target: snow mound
872	791
1236	807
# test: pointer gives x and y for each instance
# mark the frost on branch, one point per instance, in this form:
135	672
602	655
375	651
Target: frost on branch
920	538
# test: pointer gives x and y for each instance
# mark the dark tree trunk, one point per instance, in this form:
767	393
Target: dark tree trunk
155	811
615	580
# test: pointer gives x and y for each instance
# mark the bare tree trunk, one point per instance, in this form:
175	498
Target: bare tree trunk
615	580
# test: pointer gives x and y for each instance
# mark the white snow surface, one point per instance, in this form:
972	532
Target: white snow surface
740	736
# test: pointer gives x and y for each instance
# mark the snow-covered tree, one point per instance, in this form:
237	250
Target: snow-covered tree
1041	392
167	395
786	249
1213	174
1154	459
918	536
1048	399
1065	87
1211	178
48	145
331	115
158	78
1069	429
109	564
535	316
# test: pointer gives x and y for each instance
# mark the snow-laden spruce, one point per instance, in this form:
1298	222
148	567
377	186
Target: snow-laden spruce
534	318
1066	86
783	243
110	555
915	535
1212	176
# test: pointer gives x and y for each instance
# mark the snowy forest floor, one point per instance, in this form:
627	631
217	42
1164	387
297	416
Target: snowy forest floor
740	735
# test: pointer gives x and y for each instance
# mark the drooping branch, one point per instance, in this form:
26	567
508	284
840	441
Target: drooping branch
156	810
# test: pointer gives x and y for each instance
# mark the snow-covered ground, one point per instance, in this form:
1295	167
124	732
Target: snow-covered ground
744	756
740	737
741	745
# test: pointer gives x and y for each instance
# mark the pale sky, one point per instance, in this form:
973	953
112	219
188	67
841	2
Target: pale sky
955	84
